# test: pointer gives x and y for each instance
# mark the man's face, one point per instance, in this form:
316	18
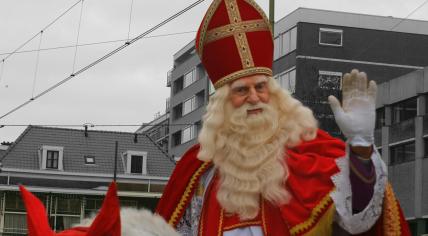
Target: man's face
252	90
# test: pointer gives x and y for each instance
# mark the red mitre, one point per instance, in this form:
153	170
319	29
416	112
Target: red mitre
107	222
235	40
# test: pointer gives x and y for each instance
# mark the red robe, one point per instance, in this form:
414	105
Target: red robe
310	211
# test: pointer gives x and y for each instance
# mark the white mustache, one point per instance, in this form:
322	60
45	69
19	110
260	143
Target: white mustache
249	107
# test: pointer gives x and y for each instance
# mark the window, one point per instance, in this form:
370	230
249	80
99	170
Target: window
189	78
188	134
177	111
177	86
285	43
402	153
380	118
89	160
51	157
404	110
128	203
293	39
285	49
287	80
277	47
15	223
64	212
193	103
136	162
200	99
189	105
329	80
176	138
198	127
92	205
426	147
330	37
14	214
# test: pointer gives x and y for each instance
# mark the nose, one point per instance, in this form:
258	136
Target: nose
253	97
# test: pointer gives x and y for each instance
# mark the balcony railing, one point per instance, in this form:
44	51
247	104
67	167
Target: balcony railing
168	78
402	130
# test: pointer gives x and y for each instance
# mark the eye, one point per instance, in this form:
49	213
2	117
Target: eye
261	87
240	90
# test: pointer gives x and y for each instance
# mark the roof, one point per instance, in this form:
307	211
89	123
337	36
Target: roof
24	153
347	19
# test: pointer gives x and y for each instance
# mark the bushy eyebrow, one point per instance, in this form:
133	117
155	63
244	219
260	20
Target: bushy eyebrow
237	84
240	84
261	80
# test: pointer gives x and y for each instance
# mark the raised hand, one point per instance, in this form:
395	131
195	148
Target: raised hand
356	117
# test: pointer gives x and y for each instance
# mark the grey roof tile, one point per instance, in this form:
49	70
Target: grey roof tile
23	153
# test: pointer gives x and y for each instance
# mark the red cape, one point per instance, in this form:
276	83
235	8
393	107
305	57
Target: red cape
310	211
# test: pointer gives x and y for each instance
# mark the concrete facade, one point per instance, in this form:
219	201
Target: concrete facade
410	136
186	61
380	46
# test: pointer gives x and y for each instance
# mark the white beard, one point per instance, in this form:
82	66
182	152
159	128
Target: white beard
251	160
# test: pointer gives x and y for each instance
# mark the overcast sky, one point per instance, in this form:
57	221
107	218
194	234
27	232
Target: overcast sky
128	88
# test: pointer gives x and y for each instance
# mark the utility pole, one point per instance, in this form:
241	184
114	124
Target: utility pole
115	160
272	14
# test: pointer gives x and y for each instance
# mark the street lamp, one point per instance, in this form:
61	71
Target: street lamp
272	13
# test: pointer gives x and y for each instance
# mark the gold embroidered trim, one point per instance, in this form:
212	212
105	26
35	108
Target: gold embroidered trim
242	224
201	224
241	73
391	213
314	218
220	223
210	12
229	30
264	217
180	207
324	225
261	12
241	40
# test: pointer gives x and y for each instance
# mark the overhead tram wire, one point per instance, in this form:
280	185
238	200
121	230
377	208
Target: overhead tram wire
42	30
36	69
2	69
93	125
130	18
97	43
78	36
105	57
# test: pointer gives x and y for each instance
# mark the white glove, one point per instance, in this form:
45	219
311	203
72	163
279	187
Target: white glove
356	117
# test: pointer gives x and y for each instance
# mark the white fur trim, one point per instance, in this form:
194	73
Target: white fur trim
140	222
342	196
